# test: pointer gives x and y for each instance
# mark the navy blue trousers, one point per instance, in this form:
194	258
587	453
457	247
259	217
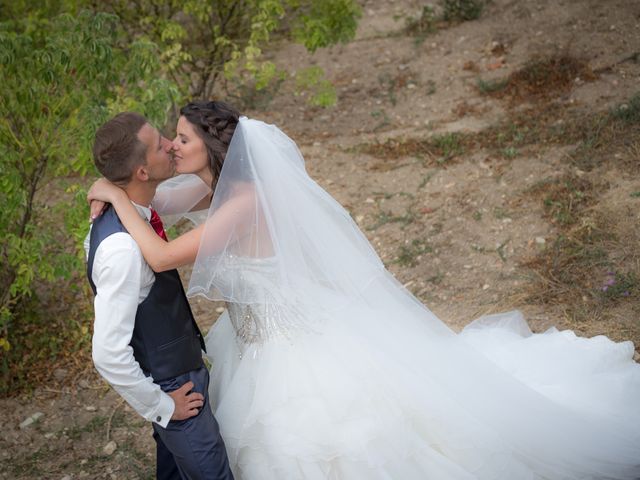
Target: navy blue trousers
191	449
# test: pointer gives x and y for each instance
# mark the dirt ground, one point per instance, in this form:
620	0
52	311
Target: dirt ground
455	186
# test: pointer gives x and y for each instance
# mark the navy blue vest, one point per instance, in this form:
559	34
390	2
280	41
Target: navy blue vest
166	340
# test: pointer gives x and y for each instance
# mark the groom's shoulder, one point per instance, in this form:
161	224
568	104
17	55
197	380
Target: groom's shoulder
112	241
118	244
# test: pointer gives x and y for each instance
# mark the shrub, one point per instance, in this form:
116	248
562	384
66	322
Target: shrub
60	79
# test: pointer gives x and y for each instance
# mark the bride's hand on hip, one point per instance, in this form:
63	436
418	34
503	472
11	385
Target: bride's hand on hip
102	192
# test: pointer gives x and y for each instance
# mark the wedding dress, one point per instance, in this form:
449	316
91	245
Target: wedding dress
325	367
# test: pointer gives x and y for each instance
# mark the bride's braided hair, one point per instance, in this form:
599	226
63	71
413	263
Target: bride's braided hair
215	122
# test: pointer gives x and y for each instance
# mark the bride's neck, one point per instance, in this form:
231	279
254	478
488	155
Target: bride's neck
206	176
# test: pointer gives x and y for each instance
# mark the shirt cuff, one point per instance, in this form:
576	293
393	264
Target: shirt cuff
164	412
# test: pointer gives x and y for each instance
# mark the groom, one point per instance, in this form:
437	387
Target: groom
146	343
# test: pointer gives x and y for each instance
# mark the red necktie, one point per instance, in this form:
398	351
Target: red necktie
156	223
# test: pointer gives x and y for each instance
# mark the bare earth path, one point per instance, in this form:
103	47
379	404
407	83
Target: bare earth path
460	192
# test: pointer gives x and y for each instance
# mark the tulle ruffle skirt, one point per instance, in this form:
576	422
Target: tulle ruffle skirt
358	398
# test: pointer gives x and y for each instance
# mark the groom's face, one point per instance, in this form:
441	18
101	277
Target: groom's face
159	157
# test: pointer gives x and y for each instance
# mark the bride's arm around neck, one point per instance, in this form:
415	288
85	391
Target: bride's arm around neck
230	221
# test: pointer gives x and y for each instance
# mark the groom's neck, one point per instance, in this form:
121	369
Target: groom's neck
141	193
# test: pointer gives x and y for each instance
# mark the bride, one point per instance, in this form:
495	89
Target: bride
325	367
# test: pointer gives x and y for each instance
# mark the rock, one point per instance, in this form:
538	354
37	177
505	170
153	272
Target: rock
110	447
485	286
66	477
83	384
31	420
49	435
540	240
60	374
219	309
90	408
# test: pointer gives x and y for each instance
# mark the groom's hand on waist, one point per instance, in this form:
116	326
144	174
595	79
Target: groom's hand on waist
187	404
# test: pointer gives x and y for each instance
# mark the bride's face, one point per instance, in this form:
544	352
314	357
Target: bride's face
190	153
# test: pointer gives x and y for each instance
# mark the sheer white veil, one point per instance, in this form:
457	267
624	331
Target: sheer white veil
265	206
273	235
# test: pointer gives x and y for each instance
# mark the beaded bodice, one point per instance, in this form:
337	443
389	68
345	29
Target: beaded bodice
269	315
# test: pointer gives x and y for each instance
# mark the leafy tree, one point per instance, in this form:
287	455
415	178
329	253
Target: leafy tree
208	45
60	79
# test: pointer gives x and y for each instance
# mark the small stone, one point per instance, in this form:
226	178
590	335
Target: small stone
60	374
359	218
49	435
219	309
83	384
369	200
485	286
31	420
66	477
540	240
109	448
90	408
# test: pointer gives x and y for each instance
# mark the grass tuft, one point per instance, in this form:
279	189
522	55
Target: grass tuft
540	78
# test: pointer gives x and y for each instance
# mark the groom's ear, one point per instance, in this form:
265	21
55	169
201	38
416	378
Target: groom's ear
140	173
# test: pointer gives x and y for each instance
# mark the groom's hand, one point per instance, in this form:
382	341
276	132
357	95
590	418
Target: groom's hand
187	404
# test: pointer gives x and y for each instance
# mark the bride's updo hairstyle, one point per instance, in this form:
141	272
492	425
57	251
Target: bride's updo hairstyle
215	122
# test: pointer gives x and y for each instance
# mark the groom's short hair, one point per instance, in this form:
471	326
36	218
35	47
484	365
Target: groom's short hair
117	150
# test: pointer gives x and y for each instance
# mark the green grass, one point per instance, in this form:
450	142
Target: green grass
487	87
499	213
620	285
385	217
431	87
461	10
408	256
383	118
510	152
628	112
423	25
449	144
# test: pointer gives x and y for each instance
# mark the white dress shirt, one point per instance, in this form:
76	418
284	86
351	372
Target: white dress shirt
123	279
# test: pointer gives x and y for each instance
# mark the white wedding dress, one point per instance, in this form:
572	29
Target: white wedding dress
325	367
350	397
